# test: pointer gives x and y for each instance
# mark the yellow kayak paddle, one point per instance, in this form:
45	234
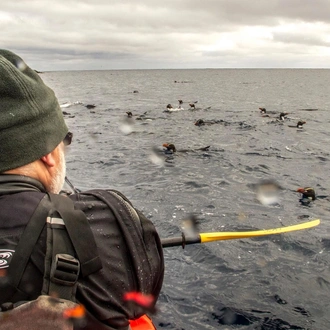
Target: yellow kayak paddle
219	236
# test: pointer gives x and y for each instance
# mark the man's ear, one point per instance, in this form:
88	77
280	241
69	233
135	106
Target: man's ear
49	159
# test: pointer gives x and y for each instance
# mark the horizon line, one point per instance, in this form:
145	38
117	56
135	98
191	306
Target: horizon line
238	68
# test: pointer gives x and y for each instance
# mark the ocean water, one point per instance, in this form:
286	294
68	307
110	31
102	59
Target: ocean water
272	282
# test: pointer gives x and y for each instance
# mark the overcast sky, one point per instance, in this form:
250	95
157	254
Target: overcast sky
132	34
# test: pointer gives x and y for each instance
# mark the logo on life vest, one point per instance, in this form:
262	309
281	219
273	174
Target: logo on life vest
5	257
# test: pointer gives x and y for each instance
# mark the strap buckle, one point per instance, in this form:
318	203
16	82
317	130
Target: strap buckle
65	269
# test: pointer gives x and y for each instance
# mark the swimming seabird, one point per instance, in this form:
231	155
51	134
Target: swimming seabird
170	148
202	122
283	115
299	124
308	193
265	113
169	108
199	122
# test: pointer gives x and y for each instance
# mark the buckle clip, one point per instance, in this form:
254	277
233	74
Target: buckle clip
65	269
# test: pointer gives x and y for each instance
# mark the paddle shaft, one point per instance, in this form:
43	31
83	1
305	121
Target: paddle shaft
219	236
180	241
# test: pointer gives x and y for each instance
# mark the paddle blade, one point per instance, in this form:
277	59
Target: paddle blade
219	236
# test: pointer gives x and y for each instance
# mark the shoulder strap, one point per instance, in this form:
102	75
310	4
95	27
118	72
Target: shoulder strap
24	250
61	267
79	232
66	254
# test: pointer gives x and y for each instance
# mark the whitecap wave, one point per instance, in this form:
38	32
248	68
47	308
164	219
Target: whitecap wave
69	104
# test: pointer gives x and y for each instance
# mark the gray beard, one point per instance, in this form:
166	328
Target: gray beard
57	181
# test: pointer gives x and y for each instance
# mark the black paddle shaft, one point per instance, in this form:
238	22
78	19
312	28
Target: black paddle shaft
180	241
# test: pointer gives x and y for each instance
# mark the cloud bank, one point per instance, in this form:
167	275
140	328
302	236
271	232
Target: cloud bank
98	35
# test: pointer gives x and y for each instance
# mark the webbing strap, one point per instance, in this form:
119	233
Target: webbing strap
24	250
79	232
61	266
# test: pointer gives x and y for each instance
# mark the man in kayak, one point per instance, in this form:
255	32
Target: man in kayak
116	249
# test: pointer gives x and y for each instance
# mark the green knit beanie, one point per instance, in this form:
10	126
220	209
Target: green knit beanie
31	120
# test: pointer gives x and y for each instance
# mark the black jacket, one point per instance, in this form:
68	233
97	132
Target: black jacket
132	258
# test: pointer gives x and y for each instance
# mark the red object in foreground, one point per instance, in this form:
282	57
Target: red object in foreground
143	300
142	323
146	301
75	312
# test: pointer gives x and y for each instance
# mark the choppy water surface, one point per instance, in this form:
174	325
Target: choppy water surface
274	282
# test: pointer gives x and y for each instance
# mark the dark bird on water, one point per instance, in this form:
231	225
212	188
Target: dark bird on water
266	113
202	122
307	195
278	119
299	124
199	122
90	106
307	192
283	115
138	117
170	148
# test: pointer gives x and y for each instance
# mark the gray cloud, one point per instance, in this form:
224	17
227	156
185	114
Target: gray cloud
103	34
303	38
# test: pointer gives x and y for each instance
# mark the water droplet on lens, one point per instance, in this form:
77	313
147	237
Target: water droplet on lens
21	65
190	226
127	126
155	158
268	193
